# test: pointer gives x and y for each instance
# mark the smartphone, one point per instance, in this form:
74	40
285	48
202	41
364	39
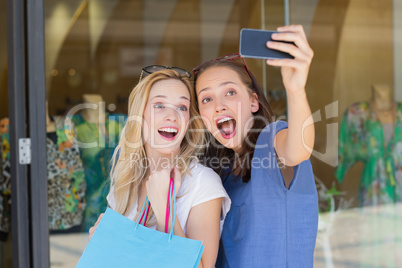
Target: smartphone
253	44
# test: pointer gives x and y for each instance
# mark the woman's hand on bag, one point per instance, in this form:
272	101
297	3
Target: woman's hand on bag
157	190
93	228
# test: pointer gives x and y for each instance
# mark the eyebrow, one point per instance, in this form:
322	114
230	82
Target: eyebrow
163	96
221	85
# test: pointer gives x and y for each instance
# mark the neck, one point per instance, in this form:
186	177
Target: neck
381	97
96	116
95	108
237	150
158	161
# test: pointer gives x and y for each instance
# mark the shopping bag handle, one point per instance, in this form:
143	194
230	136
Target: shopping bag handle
170	213
143	220
171	203
170	210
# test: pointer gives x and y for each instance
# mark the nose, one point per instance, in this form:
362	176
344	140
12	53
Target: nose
171	115
220	105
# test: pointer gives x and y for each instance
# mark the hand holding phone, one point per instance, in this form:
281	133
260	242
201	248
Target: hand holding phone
253	44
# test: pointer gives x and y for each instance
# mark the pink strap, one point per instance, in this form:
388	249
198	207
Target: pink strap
168	206
146	216
142	216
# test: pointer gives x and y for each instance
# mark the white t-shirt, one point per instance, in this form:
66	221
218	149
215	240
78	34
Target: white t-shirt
203	185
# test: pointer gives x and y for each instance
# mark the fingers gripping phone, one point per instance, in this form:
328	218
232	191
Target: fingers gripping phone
253	44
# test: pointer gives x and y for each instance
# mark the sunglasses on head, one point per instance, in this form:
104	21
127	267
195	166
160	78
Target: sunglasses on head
150	69
228	57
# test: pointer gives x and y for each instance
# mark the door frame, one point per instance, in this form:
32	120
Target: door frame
27	96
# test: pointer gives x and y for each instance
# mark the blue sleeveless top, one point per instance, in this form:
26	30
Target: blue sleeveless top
268	224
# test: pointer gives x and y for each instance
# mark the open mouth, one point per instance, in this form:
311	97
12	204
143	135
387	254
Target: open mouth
168	133
227	126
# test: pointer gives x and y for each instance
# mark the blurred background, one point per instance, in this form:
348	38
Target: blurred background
94	53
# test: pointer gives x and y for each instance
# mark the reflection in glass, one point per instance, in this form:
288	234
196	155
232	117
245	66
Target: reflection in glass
98	48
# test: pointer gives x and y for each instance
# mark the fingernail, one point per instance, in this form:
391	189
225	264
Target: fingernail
274	35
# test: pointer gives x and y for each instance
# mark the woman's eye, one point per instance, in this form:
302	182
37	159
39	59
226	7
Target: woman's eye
231	93
182	108
206	100
159	105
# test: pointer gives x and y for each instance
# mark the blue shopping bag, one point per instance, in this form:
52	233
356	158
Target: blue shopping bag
121	242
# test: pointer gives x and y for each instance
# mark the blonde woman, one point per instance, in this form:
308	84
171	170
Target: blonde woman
159	142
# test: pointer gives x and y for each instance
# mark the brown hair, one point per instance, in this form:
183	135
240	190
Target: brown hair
241	162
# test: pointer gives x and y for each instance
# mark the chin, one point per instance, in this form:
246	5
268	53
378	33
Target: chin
167	151
228	143
170	148
231	146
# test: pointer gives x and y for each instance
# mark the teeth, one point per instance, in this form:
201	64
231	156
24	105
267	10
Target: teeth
168	129
224	120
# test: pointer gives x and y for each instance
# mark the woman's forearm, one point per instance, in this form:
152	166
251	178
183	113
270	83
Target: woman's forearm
299	140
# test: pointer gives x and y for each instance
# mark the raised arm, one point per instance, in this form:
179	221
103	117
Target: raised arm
294	144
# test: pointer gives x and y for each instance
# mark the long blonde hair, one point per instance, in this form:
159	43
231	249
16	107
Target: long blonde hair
127	178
